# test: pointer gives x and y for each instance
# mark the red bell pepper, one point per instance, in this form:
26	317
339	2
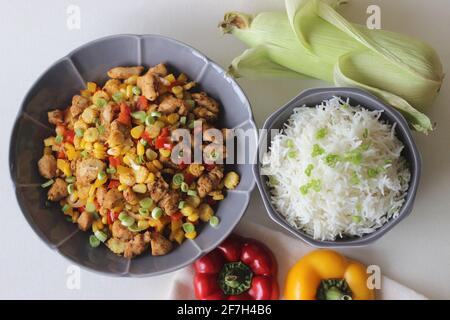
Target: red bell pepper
112	216
124	115
114	162
113	184
176	216
142	104
189	178
69	136
239	269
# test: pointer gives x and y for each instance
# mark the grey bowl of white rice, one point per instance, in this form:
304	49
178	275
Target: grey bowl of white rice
337	167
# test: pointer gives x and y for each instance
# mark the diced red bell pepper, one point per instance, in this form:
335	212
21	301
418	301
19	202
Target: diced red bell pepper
165	132
113	184
211	201
188	178
69	136
124	115
176	216
182	165
112	216
81	209
147	138
163	142
209	166
61	155
142	104
113	161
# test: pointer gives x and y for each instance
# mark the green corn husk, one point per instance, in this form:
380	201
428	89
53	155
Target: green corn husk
311	39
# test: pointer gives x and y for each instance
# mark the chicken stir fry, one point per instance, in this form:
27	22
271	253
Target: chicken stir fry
110	168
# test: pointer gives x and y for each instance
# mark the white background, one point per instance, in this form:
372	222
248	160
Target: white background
34	35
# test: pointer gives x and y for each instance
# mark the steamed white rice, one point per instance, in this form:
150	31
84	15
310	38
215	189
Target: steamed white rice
336	171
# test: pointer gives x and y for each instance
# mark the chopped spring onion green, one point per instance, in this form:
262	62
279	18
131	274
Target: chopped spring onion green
139	115
70	179
127	221
304	189
155	114
181	204
94	241
316	185
273	181
70	188
192	193
356	219
118	96
149	120
183	120
184	187
95	215
178	179
84	154
48	183
366	133
364	146
317	151
188	227
146	203
90	207
309	170
122	215
143	142
372	172
214	221
157	213
331	160
191	124
101	175
59	139
79	132
290	143
354	157
65	208
100	235
292	154
100	102
144	212
101	129
69	219
322	133
136	91
111	170
140	159
354	179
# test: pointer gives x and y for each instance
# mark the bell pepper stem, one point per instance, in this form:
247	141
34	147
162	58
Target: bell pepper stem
335	294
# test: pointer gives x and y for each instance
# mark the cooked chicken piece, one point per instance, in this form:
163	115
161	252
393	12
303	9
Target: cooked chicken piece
85	221
130	196
209	181
125	72
100	195
113	198
158	189
160	245
137	245
207	107
56	117
170	104
169	202
47	166
159	70
58	190
87	170
79	103
107	115
121	232
149	86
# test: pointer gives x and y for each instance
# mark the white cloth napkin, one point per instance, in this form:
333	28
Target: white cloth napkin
287	251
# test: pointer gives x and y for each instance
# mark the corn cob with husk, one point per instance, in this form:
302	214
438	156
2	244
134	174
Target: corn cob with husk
312	39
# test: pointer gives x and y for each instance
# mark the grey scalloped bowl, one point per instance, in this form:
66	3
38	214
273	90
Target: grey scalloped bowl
55	88
311	98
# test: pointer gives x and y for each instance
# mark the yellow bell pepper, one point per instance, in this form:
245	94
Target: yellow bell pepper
327	275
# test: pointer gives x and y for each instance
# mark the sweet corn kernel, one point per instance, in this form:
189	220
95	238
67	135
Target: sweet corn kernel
196	169
231	180
127	179
170	78
140	149
91	87
129	91
188	210
159	124
150	178
122	187
115	151
193	217
150	154
64	166
91	135
141	174
191	235
173	118
85	93
205	212
182	77
158	165
151	167
92	189
218	197
177	90
100	94
50	141
70	151
140	188
164	152
179	236
189	85
153	130
105	220
89	115
137	131
193	201
99	224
